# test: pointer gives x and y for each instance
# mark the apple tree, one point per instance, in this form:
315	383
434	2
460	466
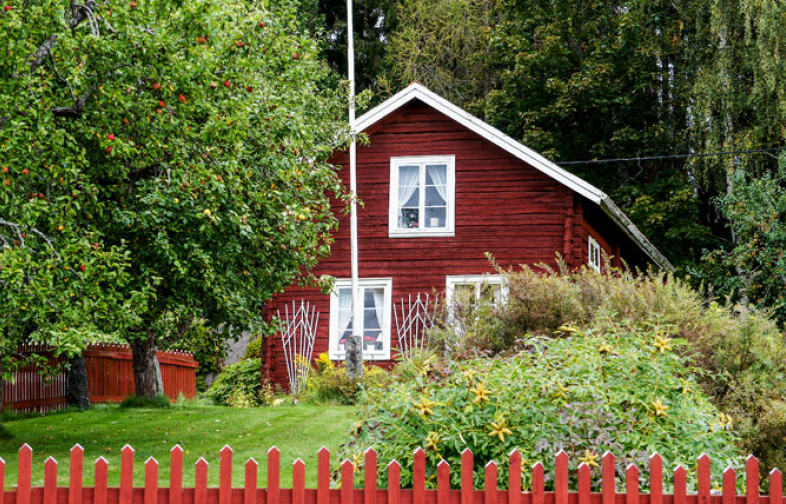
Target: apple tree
176	150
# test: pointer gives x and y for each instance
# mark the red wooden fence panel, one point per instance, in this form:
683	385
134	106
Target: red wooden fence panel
148	492
110	378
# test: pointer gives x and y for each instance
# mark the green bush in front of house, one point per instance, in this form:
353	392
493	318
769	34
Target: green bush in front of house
241	385
623	389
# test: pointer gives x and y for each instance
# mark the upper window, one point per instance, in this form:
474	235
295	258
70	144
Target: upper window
422	196
594	254
375	326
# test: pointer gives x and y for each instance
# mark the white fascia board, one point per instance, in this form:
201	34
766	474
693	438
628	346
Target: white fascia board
490	133
629	228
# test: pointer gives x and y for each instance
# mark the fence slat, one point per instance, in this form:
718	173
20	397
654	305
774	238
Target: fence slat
608	485
25	475
323	476
584	483
467	476
225	478
394	482
2	480
101	476
632	484
126	475
200	482
347	482
514	477
299	482
151	481
776	487
656	479
419	477
729	486
490	483
705	479
76	470
176	475
751	480
443	482
251	483
50	481
561	478
273	475
370	477
680	485
538	476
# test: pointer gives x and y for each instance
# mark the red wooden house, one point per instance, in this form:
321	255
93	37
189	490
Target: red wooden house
442	188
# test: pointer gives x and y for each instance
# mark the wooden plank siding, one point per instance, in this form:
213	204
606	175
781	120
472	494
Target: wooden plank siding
502	206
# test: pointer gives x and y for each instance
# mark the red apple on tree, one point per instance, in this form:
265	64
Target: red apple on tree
82	268
109	150
133	5
110	136
161	103
261	24
182	98
227	83
156	86
25	171
7	8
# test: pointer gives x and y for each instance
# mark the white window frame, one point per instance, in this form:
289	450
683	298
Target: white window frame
334	337
450	217
594	254
451	281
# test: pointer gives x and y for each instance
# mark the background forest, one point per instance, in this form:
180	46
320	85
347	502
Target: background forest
594	80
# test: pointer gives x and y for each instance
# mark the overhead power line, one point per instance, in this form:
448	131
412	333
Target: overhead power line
673	156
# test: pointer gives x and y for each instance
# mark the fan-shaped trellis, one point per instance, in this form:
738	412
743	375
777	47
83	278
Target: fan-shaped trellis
300	330
413	319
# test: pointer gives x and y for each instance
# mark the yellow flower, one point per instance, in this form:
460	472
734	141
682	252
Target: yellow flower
662	344
432	441
424	406
481	394
567	328
500	429
726	421
590	458
660	409
562	392
469	375
604	348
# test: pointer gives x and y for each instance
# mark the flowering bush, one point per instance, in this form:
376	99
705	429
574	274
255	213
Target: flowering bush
329	383
621	390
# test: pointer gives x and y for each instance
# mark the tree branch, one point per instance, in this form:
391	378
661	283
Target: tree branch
42	52
77	108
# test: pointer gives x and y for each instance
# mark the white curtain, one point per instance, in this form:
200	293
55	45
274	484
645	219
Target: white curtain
439	175
379	306
344	311
408	182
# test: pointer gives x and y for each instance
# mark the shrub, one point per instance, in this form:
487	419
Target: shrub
622	390
330	384
209	349
739	352
145	402
241	385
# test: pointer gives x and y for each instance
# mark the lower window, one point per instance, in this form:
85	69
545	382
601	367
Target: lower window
375	326
465	294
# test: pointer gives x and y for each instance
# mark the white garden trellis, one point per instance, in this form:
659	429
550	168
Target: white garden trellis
300	331
413	319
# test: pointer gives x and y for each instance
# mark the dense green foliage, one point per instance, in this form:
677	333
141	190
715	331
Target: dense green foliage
209	349
621	389
738	355
241	385
163	162
145	402
755	210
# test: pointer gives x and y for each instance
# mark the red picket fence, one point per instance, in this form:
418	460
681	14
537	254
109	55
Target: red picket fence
110	378
250	493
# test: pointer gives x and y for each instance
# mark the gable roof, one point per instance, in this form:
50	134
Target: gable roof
417	91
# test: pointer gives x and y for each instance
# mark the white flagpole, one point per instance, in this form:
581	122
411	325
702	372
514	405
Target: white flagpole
357	306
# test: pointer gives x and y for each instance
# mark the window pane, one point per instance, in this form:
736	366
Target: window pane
434	197
437	175
490	292
372	340
436	217
409	176
409	197
408	219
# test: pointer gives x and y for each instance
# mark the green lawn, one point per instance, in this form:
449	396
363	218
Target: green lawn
298	431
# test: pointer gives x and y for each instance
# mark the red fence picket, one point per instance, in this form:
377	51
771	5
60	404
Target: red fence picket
110	378
150	493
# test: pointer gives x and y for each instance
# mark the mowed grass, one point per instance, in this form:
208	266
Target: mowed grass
297	431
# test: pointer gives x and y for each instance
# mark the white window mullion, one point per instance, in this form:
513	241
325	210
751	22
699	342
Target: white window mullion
422	202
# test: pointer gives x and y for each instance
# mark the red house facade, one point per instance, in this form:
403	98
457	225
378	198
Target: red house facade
440	190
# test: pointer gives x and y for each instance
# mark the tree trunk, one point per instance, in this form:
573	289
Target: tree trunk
78	394
146	370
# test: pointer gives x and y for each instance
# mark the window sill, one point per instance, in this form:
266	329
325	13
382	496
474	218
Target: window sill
343	357
421	234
